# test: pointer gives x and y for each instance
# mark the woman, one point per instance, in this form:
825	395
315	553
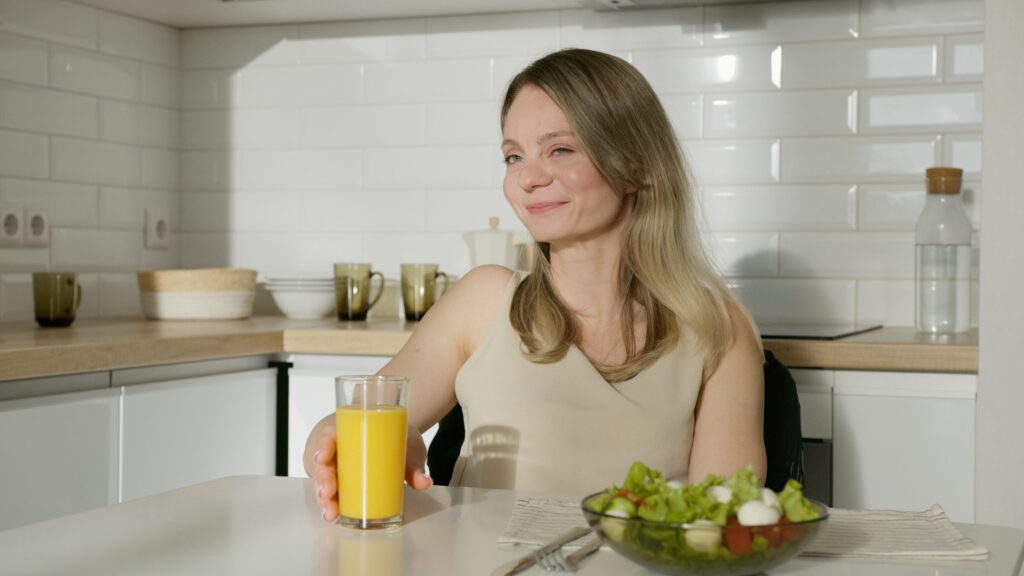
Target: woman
622	343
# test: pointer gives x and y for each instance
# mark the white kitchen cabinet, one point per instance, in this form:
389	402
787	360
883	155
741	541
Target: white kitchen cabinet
904	441
58	453
198	428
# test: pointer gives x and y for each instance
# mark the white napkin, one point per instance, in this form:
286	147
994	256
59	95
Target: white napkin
891	534
537	521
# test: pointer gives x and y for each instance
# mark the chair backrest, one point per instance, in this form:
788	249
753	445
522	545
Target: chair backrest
783	441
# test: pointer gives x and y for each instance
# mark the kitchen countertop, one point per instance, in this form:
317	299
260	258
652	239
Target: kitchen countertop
27	351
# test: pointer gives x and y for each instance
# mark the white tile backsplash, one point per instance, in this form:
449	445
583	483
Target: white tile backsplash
632	30
862	63
908	17
48	111
807	126
16	300
92	73
54	20
781	22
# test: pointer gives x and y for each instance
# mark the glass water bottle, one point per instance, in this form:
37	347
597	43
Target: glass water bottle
943	257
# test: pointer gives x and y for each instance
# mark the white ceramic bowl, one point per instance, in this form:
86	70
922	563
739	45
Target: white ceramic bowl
304	302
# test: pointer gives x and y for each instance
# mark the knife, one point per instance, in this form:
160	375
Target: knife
530	559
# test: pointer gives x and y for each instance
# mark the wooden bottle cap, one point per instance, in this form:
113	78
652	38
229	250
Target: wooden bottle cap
944	180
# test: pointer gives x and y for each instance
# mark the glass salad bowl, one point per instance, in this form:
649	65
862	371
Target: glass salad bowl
704	549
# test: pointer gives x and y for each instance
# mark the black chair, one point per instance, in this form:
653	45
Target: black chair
783	441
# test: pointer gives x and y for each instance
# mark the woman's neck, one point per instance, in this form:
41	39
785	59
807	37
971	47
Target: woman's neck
587	278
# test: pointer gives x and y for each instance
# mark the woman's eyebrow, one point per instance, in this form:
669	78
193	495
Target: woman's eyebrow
543	138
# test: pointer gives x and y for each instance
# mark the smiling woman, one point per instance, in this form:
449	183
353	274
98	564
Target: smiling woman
621	344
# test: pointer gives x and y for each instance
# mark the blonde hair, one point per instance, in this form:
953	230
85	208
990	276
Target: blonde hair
664	268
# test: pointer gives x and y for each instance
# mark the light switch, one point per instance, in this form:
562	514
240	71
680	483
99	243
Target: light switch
158	230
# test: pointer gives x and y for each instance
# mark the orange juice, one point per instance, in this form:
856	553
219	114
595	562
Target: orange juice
371	461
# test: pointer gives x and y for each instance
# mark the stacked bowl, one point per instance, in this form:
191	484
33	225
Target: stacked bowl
303	298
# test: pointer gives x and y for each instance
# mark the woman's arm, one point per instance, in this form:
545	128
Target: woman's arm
729	429
431	358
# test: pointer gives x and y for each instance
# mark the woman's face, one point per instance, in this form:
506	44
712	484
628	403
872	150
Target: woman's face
550	182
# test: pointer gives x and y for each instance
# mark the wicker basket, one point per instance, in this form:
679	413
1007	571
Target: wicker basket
199	294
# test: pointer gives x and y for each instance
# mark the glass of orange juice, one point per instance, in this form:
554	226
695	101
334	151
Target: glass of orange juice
372	422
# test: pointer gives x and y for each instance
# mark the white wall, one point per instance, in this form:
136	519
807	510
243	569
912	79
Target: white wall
809	126
1000	461
89	133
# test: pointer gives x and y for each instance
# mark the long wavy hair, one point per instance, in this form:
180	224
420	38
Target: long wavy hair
664	268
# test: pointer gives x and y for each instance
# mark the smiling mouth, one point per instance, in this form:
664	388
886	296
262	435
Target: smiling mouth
542	207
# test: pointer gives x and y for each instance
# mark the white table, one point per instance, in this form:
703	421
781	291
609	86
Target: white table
266	525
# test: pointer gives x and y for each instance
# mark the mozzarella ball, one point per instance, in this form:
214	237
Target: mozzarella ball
722	494
757	513
704	536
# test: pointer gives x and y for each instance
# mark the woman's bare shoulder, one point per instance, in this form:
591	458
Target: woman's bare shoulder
478	297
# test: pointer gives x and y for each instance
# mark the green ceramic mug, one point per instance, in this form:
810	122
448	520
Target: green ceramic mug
57	297
352	289
419	288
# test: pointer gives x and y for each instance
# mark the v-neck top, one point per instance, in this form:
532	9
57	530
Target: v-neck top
561	427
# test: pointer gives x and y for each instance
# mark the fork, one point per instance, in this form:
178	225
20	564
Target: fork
555	561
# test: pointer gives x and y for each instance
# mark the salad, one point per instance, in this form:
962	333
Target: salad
726	518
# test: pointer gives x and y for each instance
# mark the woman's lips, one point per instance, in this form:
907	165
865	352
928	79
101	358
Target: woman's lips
542	207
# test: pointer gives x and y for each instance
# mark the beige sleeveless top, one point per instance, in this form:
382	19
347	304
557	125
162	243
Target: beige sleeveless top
561	427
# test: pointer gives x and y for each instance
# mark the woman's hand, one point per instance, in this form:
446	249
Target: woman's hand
325	467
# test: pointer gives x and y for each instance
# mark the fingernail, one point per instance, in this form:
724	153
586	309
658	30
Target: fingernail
316	456
323	514
319	491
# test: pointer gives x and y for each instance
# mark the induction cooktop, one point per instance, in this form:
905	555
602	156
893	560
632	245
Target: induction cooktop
813	331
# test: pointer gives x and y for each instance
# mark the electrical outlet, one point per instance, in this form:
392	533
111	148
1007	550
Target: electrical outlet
12	224
37	227
158	230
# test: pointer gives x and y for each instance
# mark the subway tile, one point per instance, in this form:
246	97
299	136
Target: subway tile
395	82
468	210
717	68
92	73
166	258
362	126
780	22
95	162
160	85
862	63
138	39
965	58
92	249
160	168
889	302
241	129
158	127
23	154
210	89
119	121
119	295
388	251
206	212
24	259
458	80
307	254
745	254
17	303
794	207
963	151
241	212
909	17
321	250
884	255
321	85
858	159
50	111
797	300
66	204
930	109
434	167
720	162
322	169
898	206
126	207
363	211
801	113
630	30
365	41
685	113
525	33
239	47
463	123
62	22
208	250
203	170
23	60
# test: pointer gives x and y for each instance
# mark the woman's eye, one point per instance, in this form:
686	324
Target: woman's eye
512	159
560	151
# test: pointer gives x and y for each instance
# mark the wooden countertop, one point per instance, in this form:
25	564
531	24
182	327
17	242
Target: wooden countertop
27	351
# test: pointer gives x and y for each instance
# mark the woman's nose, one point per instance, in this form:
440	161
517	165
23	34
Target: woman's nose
532	176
